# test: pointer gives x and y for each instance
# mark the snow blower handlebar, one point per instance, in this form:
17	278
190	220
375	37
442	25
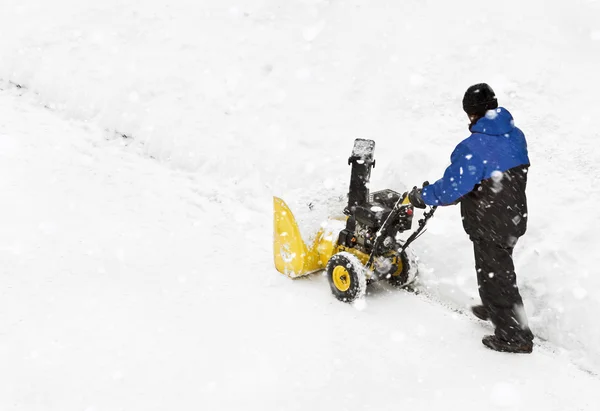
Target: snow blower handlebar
422	223
402	201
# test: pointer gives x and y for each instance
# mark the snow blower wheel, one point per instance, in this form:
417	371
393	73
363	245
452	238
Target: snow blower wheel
399	278
346	277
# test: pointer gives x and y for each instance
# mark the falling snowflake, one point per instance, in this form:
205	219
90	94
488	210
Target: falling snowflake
491	114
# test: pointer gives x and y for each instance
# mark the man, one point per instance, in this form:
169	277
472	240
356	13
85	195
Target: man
488	176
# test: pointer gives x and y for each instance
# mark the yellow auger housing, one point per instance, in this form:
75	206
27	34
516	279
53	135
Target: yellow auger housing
292	256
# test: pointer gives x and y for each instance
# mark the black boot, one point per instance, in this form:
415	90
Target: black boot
481	312
517	347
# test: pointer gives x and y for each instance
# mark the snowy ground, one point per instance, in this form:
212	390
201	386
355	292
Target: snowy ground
117	295
137	274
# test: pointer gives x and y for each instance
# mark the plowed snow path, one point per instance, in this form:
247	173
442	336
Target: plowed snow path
125	285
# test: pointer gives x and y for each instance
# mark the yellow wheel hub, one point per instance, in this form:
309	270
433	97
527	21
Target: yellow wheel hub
400	267
341	278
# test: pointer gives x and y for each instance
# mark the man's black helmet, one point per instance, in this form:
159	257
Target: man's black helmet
478	99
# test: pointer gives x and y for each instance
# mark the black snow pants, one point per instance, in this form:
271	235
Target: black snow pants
499	292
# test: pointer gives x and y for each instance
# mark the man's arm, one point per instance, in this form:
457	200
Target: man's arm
462	175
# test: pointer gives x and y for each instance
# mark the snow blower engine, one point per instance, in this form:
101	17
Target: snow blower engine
358	248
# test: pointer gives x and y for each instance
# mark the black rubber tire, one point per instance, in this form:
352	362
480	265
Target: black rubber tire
400	279
354	274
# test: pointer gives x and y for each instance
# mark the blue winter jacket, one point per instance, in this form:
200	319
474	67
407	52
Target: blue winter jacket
488	175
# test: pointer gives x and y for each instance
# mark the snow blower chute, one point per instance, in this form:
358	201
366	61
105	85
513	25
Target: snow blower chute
363	247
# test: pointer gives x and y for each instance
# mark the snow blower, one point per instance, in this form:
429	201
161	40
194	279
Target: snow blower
358	248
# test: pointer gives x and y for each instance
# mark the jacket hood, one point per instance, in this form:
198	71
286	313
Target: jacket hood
495	122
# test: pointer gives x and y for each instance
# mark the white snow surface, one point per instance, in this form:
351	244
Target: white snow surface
136	273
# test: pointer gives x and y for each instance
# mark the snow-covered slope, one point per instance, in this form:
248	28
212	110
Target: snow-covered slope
118	293
248	99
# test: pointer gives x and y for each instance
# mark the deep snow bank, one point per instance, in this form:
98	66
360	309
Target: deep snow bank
262	97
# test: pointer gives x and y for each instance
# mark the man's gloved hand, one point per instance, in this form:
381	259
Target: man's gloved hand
415	198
